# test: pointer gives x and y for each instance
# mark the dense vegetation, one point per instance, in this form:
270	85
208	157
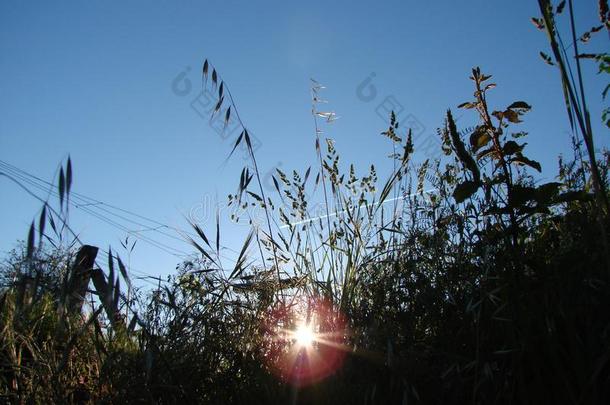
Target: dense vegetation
461	280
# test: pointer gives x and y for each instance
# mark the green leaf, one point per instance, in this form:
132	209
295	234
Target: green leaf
123	270
465	190
512	147
571	196
498	114
511	116
241	259
99	281
546	192
200	233
522	160
479	138
467	105
200	249
519	195
519	105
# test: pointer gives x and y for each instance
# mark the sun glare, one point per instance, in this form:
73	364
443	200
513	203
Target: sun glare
304	336
305	343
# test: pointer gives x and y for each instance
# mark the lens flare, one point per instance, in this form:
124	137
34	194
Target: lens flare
304	343
304	335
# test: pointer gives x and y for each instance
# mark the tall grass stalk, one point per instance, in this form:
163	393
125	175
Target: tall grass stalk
575	100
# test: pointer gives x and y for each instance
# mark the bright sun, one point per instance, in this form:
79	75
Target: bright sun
304	336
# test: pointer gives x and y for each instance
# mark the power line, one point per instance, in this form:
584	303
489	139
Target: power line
166	248
143	276
92	201
88	204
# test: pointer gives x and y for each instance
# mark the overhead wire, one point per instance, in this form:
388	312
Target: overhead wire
84	202
84	205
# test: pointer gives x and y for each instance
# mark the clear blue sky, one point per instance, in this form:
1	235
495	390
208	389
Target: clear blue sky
95	80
